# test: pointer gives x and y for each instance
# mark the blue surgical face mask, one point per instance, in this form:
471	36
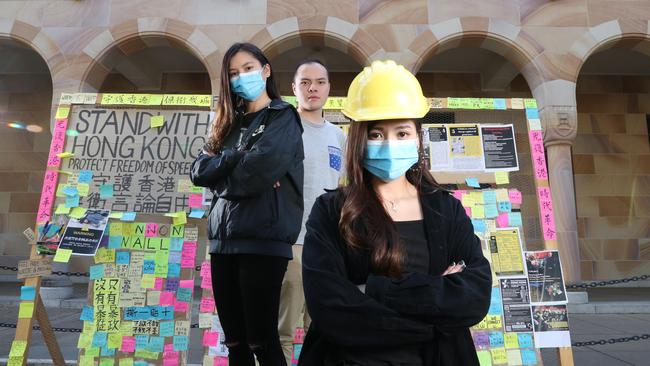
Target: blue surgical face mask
248	85
390	159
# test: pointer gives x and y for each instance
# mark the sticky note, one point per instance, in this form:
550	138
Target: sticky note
128	216
87	313
499	103
491	210
528	357
514	357
128	344
166	329
514	196
496	339
96	271
504	206
180	343
195	200
61	209
26	309
478	212
207	305
503	220
210	338
184	294
157	121
479	226
70	191
180	218
122	258
115	215
176	244
62	112
85	176
126	361
64	155
62	255
78	212
114	242
114	340
197	214
484	358
472	182
532	113
27	293
18	348
72	201
105	191
511	340
499	355
525	340
502	177
156	344
173	270
514	218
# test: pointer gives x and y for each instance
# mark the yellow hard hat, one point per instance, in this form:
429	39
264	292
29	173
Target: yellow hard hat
385	90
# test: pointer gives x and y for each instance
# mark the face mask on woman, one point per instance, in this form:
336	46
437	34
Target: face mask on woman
390	159
248	85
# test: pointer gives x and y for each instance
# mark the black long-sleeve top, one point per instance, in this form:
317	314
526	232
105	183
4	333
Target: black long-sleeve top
425	310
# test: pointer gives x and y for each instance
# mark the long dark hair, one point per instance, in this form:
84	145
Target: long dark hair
364	222
229	103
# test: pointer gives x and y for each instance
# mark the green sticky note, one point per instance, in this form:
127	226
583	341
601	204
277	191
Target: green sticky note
115	215
484	358
62	255
83	189
78	212
530	103
26	309
157	121
61	209
18	348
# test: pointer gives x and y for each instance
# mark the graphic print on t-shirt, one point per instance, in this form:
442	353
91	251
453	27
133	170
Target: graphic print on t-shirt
335	158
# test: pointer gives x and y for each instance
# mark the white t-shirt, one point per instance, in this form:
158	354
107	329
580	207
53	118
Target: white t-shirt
324	163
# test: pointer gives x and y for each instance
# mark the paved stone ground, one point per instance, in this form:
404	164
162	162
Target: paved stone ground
584	327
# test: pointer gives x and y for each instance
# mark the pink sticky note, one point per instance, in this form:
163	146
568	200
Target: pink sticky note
210	339
196	200
206	281
151	229
158	283
514	196
168	349
167	298
47	196
188	254
459	194
128	344
300	336
207	305
181	306
58	142
502	220
220	361
468	211
205	269
186	283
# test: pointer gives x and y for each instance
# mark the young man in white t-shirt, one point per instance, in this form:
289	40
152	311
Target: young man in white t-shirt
323	144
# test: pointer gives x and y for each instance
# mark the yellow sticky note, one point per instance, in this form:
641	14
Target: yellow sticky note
83	189
114	340
62	112
157	121
78	212
105	255
64	155
15	361
61	209
478	212
86	360
499	355
484	358
502	195
26	309
85	340
18	348
511	340
62	255
148	280
180	218
115	215
502	177
92	351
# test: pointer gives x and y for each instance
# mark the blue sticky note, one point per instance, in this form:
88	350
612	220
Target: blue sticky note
70	191
141	341
128	216
525	340
156	344
180	343
505	206
479	226
532	113
528	357
489	197
27	293
72	201
141	363
496	339
100	339
496	307
166	329
122	258
176	244
105	191
491	211
85	176
472	182
87	313
499	103
173	270
108	352
184	294
96	271
165	313
196	214
514	218
114	242
149	266
174	257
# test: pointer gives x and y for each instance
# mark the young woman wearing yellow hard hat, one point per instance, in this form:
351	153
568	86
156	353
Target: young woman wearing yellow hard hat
393	273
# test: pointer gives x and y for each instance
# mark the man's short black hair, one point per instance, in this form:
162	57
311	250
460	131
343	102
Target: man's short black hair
311	61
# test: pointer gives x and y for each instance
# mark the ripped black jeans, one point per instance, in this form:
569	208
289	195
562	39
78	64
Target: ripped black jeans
247	296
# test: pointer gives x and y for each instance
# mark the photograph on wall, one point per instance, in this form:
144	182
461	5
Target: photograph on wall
545	277
551	326
466	149
83	235
499	148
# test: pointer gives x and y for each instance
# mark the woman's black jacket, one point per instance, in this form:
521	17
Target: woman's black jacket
431	310
248	215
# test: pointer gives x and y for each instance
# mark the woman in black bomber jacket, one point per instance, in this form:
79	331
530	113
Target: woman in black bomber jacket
253	164
392	271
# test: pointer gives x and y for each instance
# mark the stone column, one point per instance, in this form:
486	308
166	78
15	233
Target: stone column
560	124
